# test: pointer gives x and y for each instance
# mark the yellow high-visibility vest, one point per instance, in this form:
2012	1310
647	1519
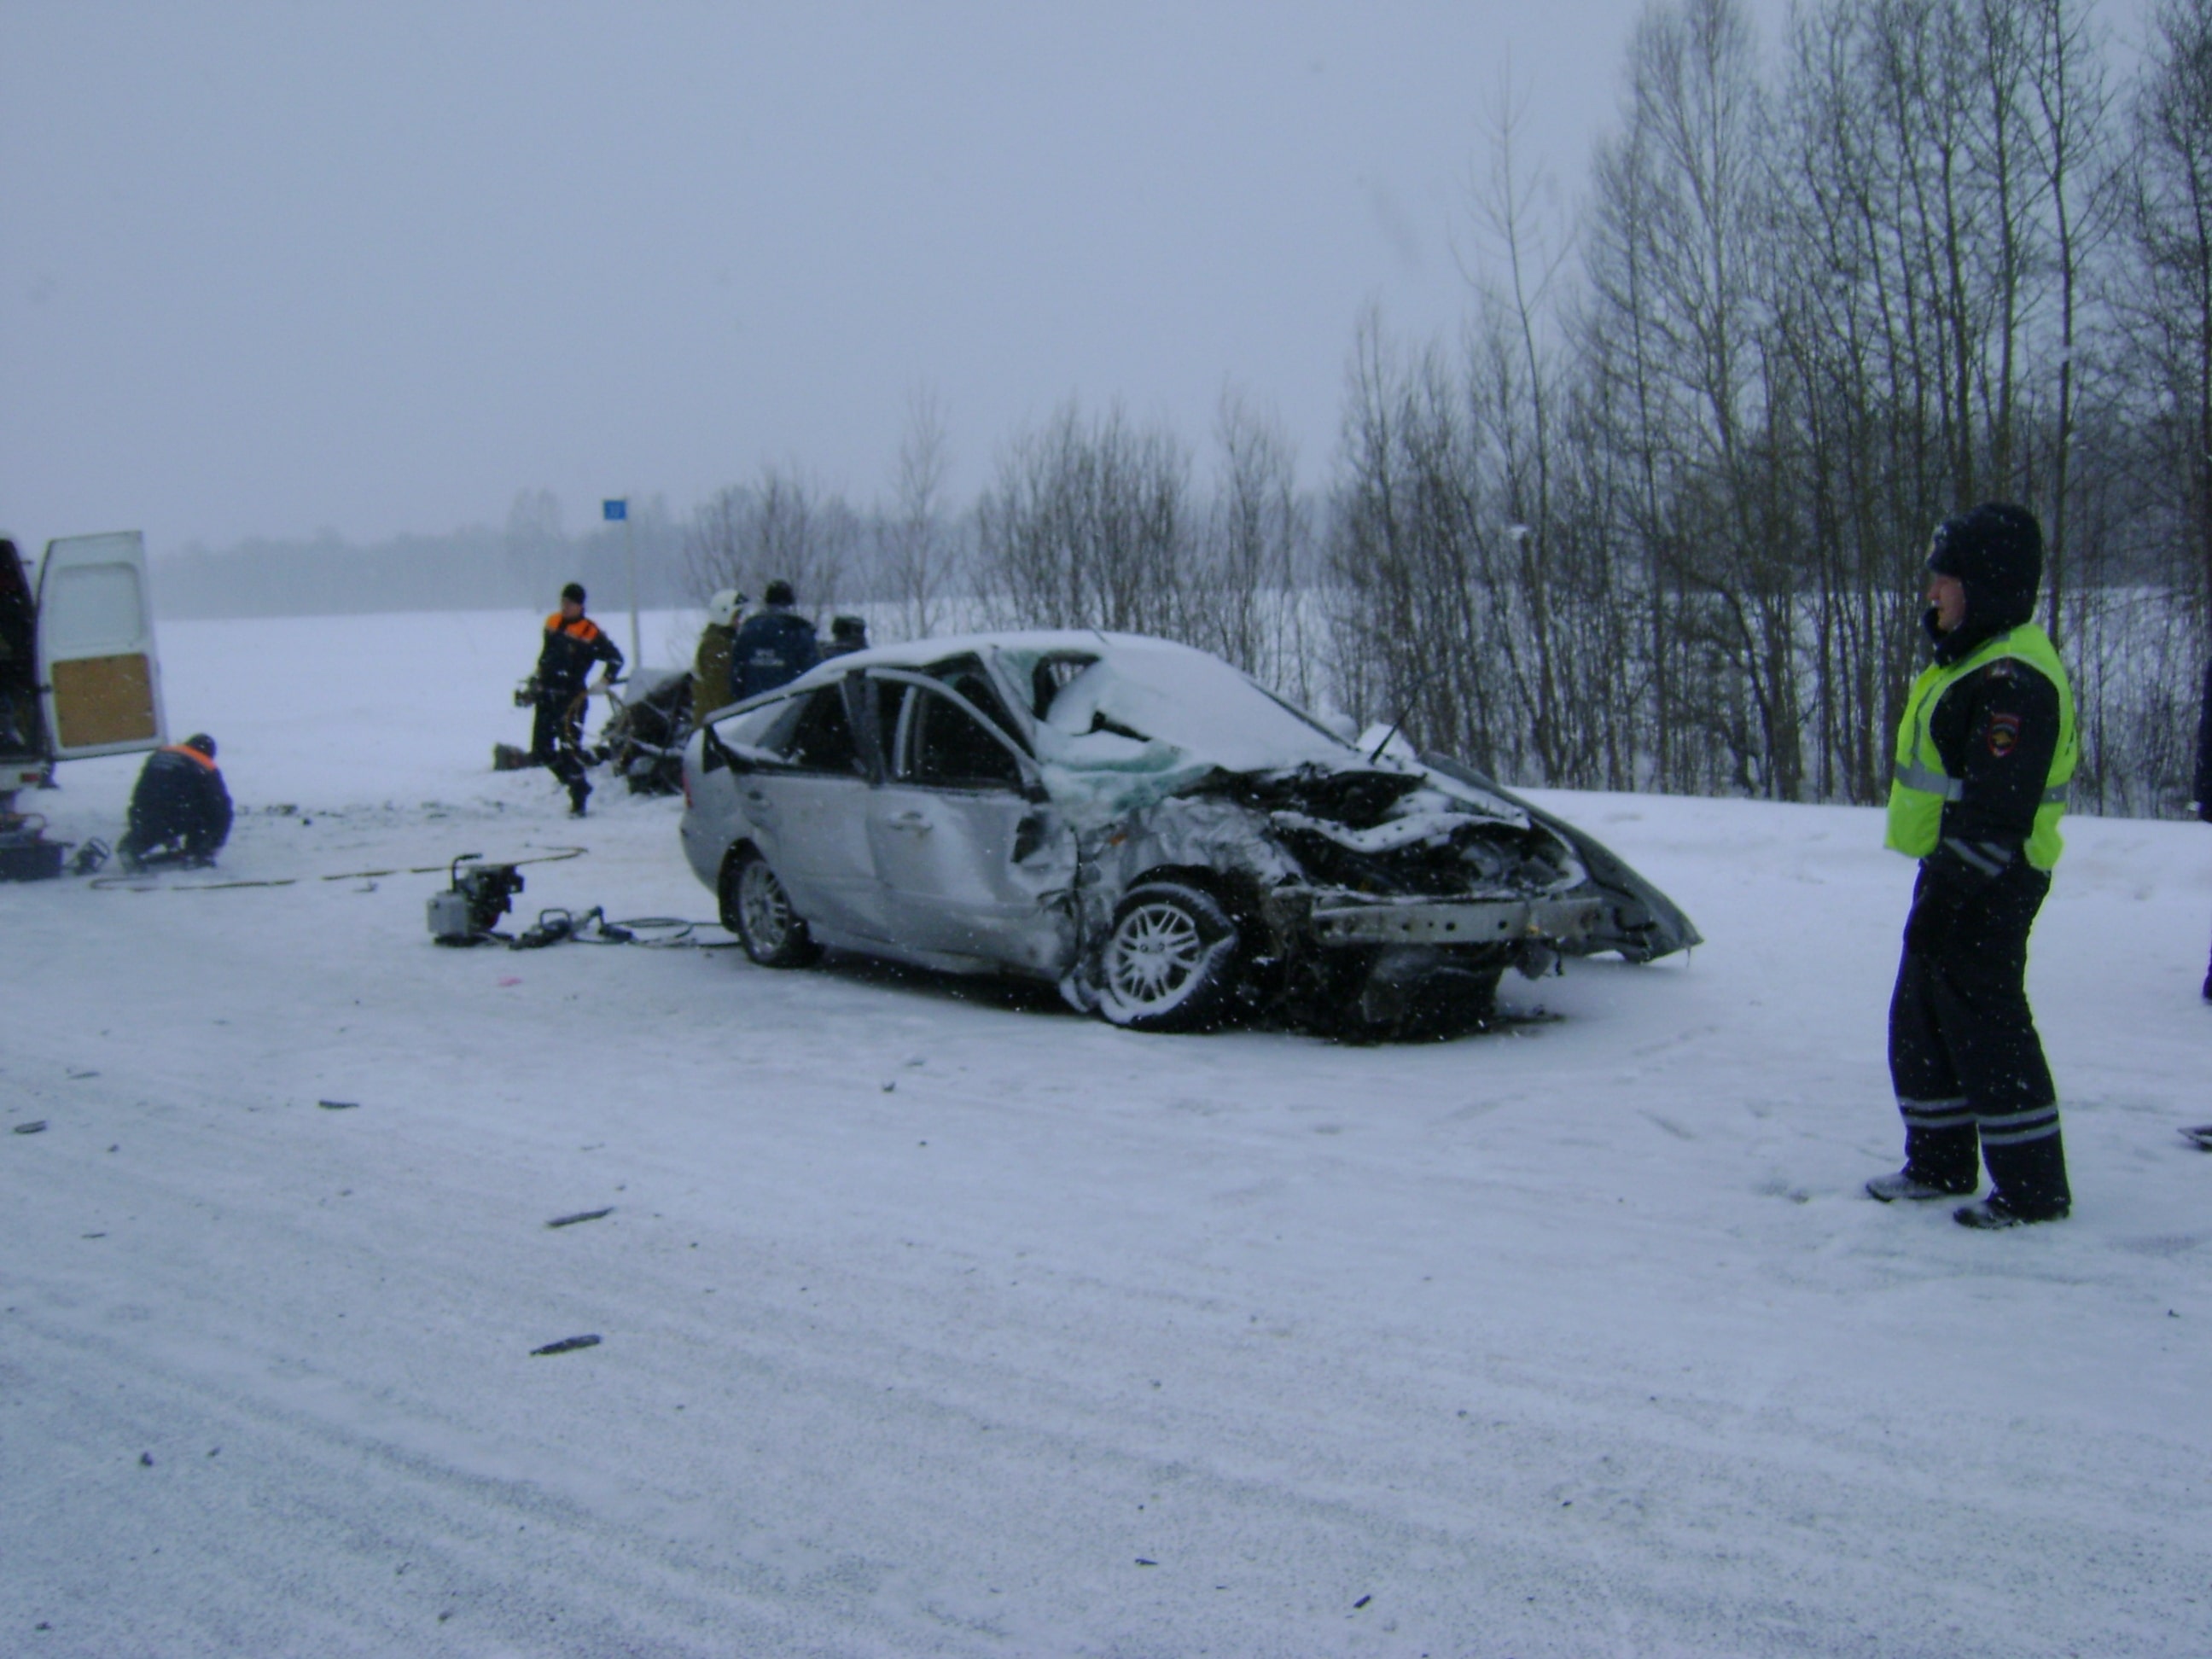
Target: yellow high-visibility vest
1918	784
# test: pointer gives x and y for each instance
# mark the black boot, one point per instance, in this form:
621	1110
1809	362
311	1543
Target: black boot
578	793
2028	1179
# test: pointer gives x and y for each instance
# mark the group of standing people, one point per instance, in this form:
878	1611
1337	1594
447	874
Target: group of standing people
739	657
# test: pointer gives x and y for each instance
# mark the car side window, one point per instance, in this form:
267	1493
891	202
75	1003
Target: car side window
946	747
765	729
968	675
821	738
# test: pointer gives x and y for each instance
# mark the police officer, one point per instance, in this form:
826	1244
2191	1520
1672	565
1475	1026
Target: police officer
573	643
1984	753
775	646
179	809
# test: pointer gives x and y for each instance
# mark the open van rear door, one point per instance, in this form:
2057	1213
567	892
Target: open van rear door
100	681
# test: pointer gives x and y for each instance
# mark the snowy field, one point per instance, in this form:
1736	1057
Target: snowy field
939	1320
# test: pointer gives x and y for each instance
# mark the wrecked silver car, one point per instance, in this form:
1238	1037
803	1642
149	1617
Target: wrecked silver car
1147	827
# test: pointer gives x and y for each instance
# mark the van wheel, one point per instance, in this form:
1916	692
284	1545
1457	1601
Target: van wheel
758	911
1168	962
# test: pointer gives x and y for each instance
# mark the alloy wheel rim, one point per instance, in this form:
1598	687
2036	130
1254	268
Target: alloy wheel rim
763	908
1156	951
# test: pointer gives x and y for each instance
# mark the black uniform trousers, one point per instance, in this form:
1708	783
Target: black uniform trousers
556	737
1965	1058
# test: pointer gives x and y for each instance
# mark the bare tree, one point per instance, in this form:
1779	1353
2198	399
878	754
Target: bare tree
783	527
918	555
1088	525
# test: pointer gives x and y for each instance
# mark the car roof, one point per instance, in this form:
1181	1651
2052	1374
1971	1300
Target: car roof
1040	641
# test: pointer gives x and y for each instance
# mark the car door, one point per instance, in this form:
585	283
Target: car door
974	860
722	754
808	796
100	676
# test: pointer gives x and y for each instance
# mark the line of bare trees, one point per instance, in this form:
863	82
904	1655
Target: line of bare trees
1656	518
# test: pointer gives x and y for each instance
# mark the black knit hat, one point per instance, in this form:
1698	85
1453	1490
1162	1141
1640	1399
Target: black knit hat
778	592
201	741
1995	552
572	590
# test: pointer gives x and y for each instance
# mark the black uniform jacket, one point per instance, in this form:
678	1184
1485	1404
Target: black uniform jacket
180	796
571	649
771	648
1996	731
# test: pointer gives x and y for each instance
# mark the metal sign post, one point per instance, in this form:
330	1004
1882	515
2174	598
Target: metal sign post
614	511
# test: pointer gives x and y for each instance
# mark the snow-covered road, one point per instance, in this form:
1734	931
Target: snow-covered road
937	1319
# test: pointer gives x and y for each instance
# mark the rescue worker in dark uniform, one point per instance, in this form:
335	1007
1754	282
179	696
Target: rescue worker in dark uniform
573	643
181	808
774	646
2204	777
847	636
1984	753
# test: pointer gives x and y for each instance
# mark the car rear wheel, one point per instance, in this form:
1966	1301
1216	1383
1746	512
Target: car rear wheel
758	911
1168	962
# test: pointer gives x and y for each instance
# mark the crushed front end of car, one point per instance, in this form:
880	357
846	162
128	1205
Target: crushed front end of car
1370	901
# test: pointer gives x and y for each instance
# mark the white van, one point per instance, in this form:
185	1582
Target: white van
79	674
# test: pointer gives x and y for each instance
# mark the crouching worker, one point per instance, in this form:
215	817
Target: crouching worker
1984	753
573	643
181	810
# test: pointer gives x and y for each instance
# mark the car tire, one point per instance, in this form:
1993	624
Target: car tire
758	911
1169	962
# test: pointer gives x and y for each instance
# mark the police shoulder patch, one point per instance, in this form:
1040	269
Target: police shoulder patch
2004	734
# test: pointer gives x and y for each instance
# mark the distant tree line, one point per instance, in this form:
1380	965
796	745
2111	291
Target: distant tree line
1655	520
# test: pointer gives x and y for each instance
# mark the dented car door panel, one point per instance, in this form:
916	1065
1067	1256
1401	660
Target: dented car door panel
971	862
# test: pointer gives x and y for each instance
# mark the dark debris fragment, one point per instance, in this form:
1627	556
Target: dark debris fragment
36	1127
567	1345
339	1105
580	1215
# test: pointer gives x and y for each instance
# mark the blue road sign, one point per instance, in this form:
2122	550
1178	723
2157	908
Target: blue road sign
613	512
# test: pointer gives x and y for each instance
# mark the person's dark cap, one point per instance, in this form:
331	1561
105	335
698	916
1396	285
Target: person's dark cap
572	590
779	593
848	628
1998	543
201	741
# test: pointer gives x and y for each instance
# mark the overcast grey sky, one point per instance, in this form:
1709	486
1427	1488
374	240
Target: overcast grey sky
271	268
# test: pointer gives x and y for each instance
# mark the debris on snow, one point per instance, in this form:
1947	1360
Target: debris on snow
36	1126
338	1105
580	1215
566	1344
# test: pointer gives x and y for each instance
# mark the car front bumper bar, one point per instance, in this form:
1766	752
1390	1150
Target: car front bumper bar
1462	922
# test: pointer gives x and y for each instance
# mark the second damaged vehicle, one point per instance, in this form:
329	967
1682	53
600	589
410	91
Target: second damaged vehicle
1147	827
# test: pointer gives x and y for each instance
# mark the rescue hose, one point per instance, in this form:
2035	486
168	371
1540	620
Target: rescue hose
138	883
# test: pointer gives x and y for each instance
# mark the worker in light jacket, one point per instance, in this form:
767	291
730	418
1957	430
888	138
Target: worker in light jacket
1984	753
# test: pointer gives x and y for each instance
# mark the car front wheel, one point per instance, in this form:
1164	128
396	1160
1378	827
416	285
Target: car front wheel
1168	962
758	911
